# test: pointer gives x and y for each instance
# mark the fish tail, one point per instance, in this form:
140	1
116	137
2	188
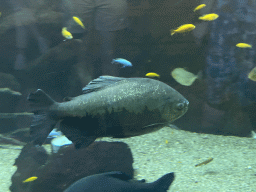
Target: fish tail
200	75
163	183
42	123
172	31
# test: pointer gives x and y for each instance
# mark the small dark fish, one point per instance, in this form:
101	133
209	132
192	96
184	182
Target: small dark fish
123	62
204	162
110	107
119	182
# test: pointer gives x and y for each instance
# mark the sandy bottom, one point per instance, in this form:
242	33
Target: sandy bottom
169	150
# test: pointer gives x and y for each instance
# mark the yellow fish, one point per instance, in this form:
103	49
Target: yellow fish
30	179
243	45
66	33
252	74
152	74
183	28
78	21
199	7
209	17
184	77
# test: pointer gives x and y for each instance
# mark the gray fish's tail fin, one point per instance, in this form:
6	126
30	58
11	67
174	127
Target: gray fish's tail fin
163	183
41	124
40	99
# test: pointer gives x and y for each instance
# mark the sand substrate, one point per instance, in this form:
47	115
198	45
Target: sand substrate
170	150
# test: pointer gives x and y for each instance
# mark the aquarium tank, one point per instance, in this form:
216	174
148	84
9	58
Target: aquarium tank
127	95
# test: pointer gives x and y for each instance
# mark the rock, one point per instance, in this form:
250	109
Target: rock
40	12
10	122
68	165
8	80
8	100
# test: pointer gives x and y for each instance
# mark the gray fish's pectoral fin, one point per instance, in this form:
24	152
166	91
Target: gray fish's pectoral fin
41	127
155	125
100	83
76	135
118	175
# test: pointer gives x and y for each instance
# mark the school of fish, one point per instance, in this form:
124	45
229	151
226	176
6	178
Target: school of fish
116	108
186	78
180	75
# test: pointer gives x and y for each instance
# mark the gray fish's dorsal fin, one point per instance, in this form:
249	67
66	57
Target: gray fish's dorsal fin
101	82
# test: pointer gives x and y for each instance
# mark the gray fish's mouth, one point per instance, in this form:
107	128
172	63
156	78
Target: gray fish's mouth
186	103
177	111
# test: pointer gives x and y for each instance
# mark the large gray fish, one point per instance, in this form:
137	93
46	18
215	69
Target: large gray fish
119	182
110	107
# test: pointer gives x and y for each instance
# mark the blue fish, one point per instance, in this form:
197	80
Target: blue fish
121	61
119	182
54	133
59	142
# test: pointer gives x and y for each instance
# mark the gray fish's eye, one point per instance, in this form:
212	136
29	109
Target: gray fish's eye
180	106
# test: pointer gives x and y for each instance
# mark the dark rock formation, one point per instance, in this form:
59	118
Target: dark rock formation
8	101
56	172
